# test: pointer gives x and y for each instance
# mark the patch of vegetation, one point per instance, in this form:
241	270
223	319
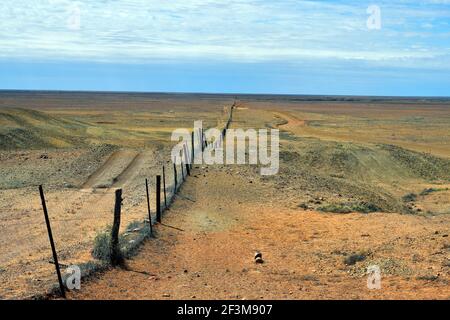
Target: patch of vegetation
354	258
102	245
362	206
335	208
410	197
285	135
427	191
387	265
128	243
130	248
424	165
428	277
133	225
288	156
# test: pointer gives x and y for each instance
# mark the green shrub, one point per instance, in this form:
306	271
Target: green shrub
102	245
335	208
354	258
427	191
363	207
410	197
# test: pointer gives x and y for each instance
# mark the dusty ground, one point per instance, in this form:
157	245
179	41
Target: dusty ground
81	148
231	218
333	155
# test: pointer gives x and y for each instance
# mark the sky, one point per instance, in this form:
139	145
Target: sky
386	48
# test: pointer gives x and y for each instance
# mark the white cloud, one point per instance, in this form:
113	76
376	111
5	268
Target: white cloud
237	30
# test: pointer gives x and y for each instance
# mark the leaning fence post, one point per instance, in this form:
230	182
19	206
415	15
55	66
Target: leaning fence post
164	187
116	255
158	198
148	207
52	244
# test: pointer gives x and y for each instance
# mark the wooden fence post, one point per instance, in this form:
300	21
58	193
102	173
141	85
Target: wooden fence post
202	138
52	244
148	207
187	161
182	169
164	187
158	198
116	255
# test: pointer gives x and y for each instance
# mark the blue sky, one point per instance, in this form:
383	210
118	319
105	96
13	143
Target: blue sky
247	46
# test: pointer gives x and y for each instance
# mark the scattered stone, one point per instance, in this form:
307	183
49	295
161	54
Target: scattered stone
166	295
258	257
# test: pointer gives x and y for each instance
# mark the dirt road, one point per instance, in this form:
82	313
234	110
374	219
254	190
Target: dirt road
114	171
292	122
204	249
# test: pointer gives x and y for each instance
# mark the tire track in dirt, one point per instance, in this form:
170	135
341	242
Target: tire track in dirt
117	159
130	171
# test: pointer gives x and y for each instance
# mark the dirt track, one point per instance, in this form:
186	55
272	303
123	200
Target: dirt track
122	162
204	249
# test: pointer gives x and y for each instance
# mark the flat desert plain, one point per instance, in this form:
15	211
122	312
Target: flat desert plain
362	182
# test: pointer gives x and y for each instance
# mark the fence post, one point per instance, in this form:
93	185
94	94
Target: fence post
175	175
148	207
187	161
116	255
158	198
164	187
192	149
182	169
202	138
52	244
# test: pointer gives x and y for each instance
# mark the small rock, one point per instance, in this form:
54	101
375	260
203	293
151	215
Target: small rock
258	257
166	295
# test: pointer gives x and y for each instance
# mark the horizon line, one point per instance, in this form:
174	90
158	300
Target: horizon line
228	94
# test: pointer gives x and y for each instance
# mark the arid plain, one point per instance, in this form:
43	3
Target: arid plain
362	182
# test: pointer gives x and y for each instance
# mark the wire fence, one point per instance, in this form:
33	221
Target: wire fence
83	215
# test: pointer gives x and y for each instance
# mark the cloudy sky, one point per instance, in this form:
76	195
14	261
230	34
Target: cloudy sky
251	46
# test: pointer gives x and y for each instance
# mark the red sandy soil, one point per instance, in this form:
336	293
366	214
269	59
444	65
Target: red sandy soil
205	250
